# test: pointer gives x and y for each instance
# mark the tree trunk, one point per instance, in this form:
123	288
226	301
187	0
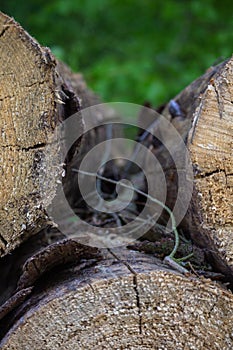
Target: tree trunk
57	293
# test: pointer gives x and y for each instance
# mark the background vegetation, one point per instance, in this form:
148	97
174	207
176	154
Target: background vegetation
131	50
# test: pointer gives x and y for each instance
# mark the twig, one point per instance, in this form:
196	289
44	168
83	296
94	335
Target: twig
175	265
154	200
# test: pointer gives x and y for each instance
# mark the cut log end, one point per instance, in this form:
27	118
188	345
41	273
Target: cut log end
207	128
127	300
211	146
37	92
133	303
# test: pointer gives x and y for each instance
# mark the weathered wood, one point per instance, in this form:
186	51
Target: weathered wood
206	125
126	301
37	92
122	299
211	148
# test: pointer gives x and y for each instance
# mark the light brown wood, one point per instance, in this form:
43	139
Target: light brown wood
207	129
124	299
128	302
211	149
36	93
27	103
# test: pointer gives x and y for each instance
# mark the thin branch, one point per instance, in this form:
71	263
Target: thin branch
154	200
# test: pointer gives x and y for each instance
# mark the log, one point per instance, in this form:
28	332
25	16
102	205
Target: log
57	293
211	148
127	300
203	115
37	92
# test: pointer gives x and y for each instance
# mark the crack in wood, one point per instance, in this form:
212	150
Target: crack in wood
213	306
35	83
3	240
196	120
5	97
37	146
135	281
5	28
25	149
135	287
208	174
219	101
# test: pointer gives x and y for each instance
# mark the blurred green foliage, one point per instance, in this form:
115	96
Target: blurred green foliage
131	50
